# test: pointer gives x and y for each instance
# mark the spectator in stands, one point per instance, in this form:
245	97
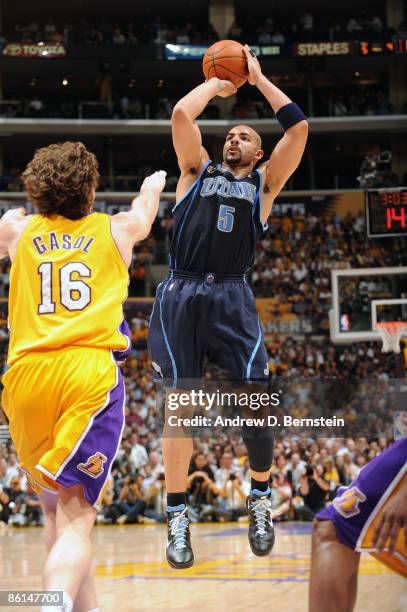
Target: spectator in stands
281	494
33	510
263	36
138	454
331	476
231	500
30	32
155	496
129	504
183	37
376	24
201	489
307	25
131	500
3	472
12	469
277	38
4	510
106	501
313	489
49	30
36	106
339	108
297	468
132	38
118	36
353	27
16	502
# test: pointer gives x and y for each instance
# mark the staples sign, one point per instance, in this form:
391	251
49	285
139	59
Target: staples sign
323	48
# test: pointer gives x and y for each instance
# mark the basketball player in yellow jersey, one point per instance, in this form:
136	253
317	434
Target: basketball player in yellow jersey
63	392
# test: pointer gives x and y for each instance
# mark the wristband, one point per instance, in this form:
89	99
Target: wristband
289	115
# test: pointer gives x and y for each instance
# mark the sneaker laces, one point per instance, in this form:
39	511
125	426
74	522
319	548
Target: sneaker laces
260	509
178	528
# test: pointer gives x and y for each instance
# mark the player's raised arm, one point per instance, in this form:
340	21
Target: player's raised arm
186	135
134	225
289	150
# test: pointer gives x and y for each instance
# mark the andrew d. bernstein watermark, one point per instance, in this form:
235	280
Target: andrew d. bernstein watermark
239	421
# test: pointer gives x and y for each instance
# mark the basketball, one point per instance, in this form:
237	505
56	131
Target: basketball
226	60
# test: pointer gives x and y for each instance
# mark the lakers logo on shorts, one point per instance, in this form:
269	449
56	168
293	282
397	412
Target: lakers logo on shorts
347	504
94	465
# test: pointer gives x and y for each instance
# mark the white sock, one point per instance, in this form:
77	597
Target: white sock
93	610
67	604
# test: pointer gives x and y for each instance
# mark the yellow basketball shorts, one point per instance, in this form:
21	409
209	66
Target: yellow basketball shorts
66	417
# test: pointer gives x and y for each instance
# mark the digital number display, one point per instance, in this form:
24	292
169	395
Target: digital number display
388	47
386	212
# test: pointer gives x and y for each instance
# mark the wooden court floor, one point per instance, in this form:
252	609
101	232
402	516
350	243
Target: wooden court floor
132	574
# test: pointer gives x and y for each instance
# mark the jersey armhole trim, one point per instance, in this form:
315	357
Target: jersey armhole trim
194	184
264	225
115	245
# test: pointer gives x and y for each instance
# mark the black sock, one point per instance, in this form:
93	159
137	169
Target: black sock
176	499
260	485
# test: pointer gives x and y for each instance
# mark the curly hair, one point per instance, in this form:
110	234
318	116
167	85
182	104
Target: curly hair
60	179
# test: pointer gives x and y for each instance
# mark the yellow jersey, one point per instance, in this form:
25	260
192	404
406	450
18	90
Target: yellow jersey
68	283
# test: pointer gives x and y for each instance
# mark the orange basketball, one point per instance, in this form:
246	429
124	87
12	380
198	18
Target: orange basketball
227	61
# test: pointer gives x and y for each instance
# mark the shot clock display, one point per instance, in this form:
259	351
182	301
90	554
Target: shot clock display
386	212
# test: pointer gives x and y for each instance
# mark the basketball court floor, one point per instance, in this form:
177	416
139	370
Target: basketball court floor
132	574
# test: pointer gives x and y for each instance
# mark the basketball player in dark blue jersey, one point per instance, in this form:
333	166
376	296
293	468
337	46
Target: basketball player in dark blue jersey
205	309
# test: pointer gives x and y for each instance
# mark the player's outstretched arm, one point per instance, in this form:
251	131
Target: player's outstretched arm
135	225
288	152
12	224
186	135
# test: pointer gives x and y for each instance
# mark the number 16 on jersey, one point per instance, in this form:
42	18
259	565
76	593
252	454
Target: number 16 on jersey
225	218
74	293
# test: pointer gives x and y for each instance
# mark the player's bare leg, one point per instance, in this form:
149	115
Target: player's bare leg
334	571
260	476
177	447
70	558
49	509
86	598
177	454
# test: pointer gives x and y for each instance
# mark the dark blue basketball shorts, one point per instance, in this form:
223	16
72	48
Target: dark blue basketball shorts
206	317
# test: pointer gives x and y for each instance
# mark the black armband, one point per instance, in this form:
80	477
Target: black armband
289	115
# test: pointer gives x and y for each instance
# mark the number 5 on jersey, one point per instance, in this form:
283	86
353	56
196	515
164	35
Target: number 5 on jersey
225	218
74	294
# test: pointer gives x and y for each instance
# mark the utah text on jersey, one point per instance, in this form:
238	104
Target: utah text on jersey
236	189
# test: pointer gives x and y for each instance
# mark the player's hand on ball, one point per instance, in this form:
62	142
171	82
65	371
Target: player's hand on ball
226	89
154	182
253	66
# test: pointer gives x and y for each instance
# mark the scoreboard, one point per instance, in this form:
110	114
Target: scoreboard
386	212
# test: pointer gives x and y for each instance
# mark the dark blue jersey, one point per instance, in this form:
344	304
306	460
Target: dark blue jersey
217	223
